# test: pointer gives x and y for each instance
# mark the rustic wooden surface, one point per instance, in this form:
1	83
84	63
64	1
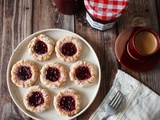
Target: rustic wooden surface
20	18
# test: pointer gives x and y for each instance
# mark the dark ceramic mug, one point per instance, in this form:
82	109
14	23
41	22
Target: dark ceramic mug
143	43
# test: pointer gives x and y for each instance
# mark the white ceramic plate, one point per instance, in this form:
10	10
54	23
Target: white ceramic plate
87	94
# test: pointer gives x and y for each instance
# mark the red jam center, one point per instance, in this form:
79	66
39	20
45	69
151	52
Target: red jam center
52	74
24	73
83	73
36	99
68	49
67	103
40	47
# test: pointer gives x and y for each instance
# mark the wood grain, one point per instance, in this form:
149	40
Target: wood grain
157	2
20	18
15	25
46	16
6	35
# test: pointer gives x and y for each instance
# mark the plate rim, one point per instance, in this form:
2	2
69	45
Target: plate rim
47	30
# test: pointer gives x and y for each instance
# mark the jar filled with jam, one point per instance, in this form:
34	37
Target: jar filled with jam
103	14
69	7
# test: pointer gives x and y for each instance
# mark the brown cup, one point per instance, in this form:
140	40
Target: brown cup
68	7
143	43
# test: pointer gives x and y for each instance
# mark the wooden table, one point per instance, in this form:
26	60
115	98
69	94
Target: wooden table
20	18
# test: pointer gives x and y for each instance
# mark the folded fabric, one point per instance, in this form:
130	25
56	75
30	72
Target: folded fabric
139	103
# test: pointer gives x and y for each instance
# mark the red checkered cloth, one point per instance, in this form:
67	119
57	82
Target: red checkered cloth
106	9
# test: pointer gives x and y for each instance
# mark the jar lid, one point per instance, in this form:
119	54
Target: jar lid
106	9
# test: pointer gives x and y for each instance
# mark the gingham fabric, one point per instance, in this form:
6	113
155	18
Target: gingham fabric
106	9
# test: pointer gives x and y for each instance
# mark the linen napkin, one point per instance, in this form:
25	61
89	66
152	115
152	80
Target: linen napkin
139	103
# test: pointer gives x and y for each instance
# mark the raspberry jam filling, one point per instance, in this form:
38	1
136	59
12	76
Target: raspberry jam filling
67	103
36	99
40	47
68	49
52	74
24	73
83	73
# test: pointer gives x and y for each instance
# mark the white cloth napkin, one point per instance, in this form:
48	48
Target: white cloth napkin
139	103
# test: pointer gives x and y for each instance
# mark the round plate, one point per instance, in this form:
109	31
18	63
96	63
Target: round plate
125	59
87	94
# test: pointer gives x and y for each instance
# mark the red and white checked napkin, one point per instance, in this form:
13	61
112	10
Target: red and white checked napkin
139	103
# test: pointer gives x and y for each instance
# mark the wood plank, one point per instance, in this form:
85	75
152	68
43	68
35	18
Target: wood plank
142	13
16	25
45	15
157	2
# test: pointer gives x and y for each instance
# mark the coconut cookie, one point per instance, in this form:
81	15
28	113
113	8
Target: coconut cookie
24	73
68	49
41	47
36	99
67	102
82	73
53	75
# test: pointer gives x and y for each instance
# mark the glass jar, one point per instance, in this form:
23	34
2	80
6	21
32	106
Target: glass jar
103	14
68	7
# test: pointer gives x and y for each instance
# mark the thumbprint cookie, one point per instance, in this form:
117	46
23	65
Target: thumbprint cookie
36	99
67	102
41	47
68	49
24	73
82	73
53	75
